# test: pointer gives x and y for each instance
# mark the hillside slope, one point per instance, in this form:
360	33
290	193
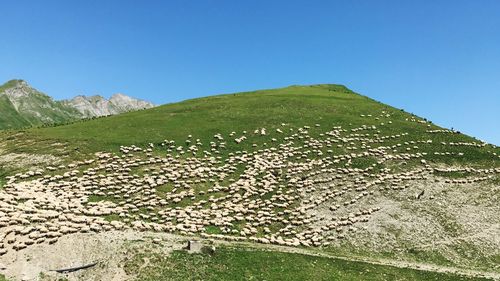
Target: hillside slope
327	105
10	118
316	166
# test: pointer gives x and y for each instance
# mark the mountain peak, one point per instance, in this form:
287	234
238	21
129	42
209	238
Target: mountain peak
118	95
14	83
17	89
95	106
32	107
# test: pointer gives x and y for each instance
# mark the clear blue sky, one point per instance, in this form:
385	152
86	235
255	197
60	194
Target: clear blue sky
438	59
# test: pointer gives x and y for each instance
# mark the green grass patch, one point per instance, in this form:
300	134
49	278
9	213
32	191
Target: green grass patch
429	256
97	198
245	264
211	229
3	174
112	217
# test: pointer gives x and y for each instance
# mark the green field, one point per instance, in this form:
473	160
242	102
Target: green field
245	264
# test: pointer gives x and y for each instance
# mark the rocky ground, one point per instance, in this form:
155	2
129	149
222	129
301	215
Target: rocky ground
109	250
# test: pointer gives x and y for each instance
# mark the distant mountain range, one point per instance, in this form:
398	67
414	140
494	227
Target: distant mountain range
22	105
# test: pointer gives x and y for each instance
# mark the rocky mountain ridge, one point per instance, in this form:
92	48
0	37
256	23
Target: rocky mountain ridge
95	106
22	105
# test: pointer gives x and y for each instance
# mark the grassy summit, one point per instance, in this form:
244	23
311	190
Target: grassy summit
327	105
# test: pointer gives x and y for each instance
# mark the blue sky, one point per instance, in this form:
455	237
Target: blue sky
438	59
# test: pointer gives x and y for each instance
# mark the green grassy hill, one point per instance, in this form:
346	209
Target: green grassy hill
326	105
451	226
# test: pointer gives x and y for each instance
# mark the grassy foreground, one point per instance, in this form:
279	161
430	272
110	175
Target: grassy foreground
245	264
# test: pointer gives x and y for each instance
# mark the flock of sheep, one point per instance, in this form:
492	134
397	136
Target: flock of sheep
302	188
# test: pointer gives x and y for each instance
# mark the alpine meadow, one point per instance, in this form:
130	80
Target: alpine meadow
250	140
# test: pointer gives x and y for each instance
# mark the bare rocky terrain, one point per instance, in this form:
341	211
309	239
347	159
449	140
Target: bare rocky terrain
97	106
109	250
